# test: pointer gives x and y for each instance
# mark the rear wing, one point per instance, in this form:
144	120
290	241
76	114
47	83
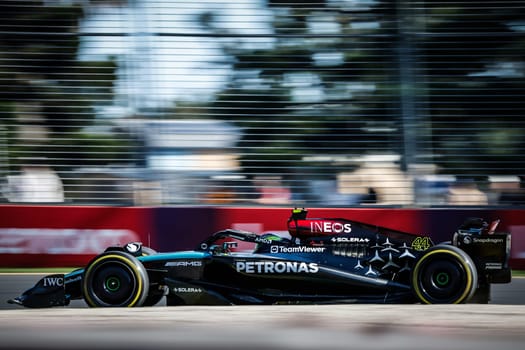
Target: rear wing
489	249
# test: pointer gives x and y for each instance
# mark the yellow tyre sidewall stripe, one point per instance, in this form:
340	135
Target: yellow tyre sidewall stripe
466	266
127	262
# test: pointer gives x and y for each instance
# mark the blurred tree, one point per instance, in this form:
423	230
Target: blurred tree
49	96
440	83
328	79
474	65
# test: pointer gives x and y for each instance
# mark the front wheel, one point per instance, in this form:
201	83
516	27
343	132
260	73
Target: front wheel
115	278
154	294
444	274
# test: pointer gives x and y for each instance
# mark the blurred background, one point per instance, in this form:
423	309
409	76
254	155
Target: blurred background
263	102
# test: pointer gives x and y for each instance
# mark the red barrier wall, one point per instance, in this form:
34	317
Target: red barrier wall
274	219
439	224
32	236
66	235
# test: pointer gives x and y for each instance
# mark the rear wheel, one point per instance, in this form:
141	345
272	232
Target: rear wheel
115	279
444	275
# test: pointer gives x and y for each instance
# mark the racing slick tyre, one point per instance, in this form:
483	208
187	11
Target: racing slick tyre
154	295
148	251
444	274
115	278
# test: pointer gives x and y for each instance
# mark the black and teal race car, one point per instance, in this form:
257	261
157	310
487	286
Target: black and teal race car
323	260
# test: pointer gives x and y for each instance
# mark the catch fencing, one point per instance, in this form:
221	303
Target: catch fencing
325	103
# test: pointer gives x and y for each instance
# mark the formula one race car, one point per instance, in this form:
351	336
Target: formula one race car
323	261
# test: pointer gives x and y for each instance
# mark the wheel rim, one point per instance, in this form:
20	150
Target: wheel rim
443	280
113	284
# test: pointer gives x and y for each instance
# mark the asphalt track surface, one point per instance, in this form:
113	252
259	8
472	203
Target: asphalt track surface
499	325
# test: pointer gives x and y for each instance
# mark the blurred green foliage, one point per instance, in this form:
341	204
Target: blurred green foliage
47	85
